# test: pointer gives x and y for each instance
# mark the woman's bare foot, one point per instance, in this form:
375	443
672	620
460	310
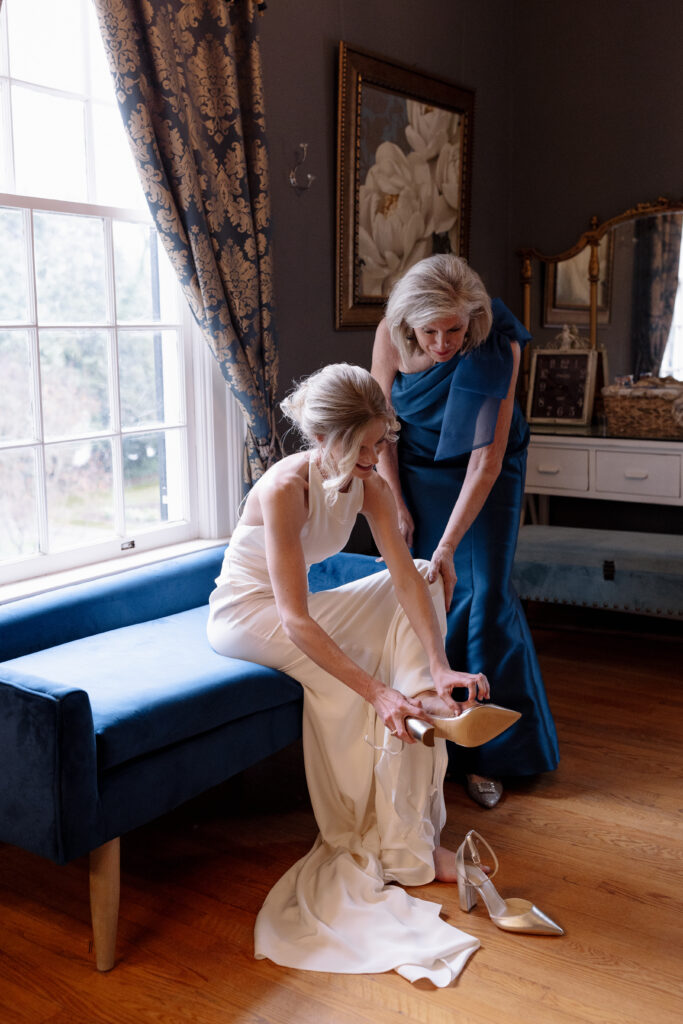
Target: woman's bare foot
444	865
432	704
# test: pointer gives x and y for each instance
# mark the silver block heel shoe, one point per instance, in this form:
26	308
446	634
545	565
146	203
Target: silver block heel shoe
512	915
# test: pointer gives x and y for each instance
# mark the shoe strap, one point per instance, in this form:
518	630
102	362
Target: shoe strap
472	842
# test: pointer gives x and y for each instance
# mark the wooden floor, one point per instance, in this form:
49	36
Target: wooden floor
598	845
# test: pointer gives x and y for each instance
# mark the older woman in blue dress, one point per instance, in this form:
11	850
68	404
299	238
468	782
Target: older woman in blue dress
447	357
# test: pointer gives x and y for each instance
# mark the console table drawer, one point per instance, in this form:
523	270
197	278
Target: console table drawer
656	476
561	468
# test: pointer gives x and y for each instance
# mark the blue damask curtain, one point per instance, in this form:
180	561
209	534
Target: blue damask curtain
655	283
189	85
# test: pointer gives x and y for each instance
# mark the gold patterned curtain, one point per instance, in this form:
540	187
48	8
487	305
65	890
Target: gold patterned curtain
189	86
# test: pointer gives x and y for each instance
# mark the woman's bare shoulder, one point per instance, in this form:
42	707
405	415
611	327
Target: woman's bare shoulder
285	484
376	492
384	350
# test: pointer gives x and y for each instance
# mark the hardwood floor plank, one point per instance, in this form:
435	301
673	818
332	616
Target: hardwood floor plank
598	845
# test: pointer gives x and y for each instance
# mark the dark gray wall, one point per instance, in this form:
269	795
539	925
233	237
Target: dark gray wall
577	112
597	114
464	41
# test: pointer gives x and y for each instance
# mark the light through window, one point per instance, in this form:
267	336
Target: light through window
93	421
672	361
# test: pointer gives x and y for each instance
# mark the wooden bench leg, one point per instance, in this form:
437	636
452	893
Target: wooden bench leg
105	886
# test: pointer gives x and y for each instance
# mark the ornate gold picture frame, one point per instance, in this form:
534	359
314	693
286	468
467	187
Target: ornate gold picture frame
404	144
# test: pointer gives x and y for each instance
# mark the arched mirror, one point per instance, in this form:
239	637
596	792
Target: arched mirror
619	284
616	290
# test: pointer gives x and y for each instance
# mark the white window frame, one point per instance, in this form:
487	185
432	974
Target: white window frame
214	423
215	434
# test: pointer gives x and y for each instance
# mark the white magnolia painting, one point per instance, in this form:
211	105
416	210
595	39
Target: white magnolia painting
409	196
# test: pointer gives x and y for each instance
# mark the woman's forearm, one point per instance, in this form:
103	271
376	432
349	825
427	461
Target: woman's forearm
483	468
388	469
413	595
316	644
472	498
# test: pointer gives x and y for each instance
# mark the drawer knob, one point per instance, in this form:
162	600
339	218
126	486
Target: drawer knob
636	474
549	470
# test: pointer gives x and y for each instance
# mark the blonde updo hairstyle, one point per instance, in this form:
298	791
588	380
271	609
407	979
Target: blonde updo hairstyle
437	288
333	408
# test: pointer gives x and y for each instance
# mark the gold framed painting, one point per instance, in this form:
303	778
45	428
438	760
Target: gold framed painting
404	144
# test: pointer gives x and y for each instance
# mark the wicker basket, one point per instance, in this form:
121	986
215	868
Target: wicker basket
651	408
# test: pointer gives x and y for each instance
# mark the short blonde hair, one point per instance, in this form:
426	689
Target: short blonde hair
438	287
335	406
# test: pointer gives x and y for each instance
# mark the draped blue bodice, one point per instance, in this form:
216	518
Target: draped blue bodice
451	409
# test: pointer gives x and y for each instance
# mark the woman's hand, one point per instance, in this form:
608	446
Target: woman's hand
393	708
442	565
445	681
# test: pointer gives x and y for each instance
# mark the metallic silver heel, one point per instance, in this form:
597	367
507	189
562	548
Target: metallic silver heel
467	894
512	915
420	730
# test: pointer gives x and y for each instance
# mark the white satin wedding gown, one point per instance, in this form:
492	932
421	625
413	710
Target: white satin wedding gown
378	802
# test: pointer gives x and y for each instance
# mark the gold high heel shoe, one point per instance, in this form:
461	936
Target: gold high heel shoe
512	915
475	726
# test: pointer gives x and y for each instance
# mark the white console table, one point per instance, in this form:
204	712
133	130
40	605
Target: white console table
617	469
603	569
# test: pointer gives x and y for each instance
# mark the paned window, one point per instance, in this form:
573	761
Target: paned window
96	432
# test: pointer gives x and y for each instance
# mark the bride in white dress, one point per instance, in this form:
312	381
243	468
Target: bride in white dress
362	653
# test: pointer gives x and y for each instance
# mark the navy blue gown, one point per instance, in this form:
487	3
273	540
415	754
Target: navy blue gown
446	412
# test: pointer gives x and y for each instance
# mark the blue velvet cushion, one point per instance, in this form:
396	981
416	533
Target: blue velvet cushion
340	569
134	595
157	682
154	683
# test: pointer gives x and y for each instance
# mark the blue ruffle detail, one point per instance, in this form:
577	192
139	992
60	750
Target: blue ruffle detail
479	383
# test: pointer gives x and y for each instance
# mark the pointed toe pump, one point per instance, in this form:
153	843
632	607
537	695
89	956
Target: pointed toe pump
475	726
512	915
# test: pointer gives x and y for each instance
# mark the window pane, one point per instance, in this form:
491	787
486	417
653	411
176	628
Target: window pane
16	406
74	369
149	376
18	518
152	476
13	267
101	81
116	178
80	503
70	268
145	282
41	34
49	145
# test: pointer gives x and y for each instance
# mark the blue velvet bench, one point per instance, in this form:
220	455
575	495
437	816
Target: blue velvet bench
114	710
619	570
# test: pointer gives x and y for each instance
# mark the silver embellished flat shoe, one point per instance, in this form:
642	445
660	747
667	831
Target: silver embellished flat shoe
485	792
512	915
474	727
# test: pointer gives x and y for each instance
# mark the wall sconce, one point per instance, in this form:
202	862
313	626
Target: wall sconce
294	181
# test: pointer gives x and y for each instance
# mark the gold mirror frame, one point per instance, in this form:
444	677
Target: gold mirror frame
590	238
